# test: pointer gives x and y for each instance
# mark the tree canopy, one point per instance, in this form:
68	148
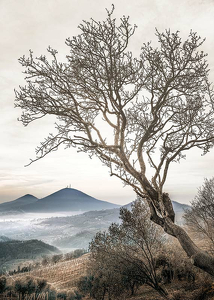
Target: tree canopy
159	103
134	113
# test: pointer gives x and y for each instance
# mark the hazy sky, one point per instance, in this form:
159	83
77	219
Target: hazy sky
36	24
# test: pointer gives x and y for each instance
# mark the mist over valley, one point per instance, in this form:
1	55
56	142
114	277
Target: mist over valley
67	219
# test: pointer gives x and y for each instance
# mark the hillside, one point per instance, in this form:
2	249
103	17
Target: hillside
4	239
86	226
60	276
63	200
78	230
63	277
30	249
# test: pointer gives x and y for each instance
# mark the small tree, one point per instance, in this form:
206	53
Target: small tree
21	288
103	283
127	253
56	258
74	296
45	261
200	218
156	107
41	286
3	284
86	284
29	286
62	295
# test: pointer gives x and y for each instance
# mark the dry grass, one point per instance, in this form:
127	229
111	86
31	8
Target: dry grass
61	276
177	291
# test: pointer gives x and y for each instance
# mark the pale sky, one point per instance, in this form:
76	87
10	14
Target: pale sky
36	24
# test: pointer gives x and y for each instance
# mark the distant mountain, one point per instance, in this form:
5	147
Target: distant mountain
18	204
179	207
63	200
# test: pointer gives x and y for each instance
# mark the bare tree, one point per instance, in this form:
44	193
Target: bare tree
200	218
155	107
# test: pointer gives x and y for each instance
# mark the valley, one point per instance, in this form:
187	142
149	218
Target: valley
66	230
73	227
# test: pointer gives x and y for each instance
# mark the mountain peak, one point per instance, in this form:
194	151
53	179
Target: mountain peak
27	196
18	203
68	193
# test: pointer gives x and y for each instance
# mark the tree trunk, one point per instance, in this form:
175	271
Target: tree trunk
161	291
132	288
104	293
199	258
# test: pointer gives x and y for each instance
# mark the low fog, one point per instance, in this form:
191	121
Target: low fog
25	226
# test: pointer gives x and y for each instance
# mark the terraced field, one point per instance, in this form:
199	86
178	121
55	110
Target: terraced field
61	276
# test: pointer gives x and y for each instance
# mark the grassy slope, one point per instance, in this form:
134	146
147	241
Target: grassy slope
62	275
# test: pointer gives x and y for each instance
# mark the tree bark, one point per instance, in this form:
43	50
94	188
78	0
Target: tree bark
165	218
199	258
162	291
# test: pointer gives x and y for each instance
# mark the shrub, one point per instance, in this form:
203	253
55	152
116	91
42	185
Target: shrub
3	284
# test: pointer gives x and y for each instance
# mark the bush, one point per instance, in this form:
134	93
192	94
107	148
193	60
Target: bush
52	295
56	258
30	285
206	290
74	254
62	295
3	284
174	266
75	296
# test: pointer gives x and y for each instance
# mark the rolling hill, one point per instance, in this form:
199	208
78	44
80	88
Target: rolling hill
14	249
14	253
60	276
4	239
179	207
65	200
80	229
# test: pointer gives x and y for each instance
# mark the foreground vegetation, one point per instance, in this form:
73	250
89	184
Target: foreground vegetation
51	278
132	260
136	259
